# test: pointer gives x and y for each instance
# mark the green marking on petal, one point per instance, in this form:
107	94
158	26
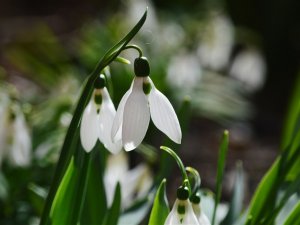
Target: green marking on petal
181	209
147	88
98	99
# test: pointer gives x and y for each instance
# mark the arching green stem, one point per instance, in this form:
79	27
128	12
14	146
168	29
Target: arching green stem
196	177
136	48
185	178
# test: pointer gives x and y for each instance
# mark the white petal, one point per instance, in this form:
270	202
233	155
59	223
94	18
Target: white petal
202	218
116	168
116	131
136	116
89	128
106	118
20	153
188	218
163	115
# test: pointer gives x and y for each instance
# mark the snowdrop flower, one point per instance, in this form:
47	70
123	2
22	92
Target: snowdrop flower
135	183
249	67
15	139
215	49
182	212
139	102
98	118
202	218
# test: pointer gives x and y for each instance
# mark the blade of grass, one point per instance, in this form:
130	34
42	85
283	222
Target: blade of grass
113	213
220	172
160	209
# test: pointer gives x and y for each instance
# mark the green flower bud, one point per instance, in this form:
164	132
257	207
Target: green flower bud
196	199
141	67
183	193
100	82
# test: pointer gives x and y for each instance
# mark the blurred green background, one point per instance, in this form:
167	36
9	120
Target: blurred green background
236	60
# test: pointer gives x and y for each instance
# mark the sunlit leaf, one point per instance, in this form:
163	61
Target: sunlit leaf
160	209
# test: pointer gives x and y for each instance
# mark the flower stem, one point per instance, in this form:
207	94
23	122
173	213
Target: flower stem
196	177
136	48
185	178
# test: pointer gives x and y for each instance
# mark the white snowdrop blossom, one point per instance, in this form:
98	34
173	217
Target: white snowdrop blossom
218	37
15	139
182	213
97	120
135	183
249	67
202	218
140	102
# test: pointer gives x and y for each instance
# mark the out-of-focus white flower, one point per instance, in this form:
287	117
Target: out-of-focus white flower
182	213
97	120
135	183
202	218
15	139
134	110
249	67
215	47
184	69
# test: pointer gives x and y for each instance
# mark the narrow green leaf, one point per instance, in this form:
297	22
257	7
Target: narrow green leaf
291	124
160	209
293	218
95	205
113	213
236	203
71	192
220	172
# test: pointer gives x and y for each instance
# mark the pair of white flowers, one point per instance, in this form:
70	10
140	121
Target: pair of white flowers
186	213
128	125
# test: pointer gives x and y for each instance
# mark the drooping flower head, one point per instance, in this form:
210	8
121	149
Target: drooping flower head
98	118
202	218
140	102
182	212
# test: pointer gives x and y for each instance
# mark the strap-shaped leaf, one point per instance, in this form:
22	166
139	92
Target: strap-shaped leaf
95	205
221	165
113	213
160	209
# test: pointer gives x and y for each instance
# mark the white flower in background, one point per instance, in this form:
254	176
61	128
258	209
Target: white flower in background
135	183
182	214
97	119
15	139
202	218
139	102
184	69
249	67
215	47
